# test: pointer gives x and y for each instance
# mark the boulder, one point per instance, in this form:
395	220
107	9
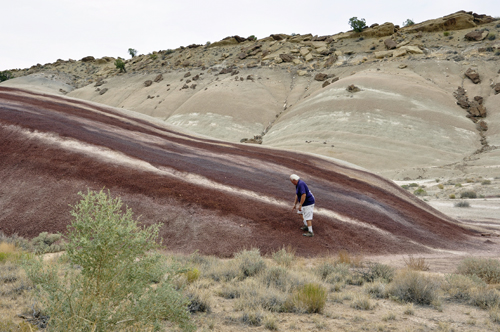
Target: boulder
477	35
87	59
286	57
148	83
390	44
277	37
473	75
496	88
308	57
320	77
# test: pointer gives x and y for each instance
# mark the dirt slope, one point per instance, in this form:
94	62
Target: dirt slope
212	196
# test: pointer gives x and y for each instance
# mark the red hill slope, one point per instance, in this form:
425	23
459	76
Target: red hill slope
212	196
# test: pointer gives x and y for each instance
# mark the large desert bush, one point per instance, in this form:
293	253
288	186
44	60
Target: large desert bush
108	286
250	262
412	286
357	24
487	269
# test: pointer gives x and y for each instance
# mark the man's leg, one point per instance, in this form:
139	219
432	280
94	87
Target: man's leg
309	226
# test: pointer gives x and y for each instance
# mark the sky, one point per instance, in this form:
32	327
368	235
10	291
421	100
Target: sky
43	31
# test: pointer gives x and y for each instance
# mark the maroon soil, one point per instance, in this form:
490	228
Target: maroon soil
40	178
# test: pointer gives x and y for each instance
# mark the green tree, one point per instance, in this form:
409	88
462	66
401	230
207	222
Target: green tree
113	266
119	64
132	52
408	22
5	75
357	24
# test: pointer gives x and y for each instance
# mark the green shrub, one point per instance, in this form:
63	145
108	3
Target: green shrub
5	75
413	185
362	302
119	64
486	182
487	269
252	37
492	36
484	297
462	204
192	275
153	56
420	192
405	186
45	243
446	33
468	194
276	277
169	51
412	286
376	289
311	297
223	271
132	52
284	256
378	271
408	23
250	262
440	186
459	286
110	287
452	196
357	24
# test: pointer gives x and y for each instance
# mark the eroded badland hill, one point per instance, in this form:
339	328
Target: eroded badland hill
414	103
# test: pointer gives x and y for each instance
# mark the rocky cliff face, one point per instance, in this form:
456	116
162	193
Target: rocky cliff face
404	117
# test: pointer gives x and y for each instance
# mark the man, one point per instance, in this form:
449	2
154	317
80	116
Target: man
306	203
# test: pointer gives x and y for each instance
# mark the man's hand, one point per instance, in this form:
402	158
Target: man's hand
300	207
293	207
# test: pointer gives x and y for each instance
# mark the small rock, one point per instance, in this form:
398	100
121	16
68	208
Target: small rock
352	88
148	83
103	91
158	78
286	57
193	86
301	72
187	74
185	86
87	59
482	126
473	75
325	83
188	81
195	78
496	87
402	66
479	99
320	77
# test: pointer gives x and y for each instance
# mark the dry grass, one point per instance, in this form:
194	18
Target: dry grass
289	293
416	264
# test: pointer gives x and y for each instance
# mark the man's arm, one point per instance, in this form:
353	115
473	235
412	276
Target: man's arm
302	200
294	203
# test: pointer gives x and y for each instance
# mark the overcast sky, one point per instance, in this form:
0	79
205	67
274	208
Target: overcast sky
42	31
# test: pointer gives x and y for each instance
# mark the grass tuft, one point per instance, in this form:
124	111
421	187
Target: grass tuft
412	286
416	264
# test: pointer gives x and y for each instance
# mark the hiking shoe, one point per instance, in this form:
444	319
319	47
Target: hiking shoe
308	234
304	228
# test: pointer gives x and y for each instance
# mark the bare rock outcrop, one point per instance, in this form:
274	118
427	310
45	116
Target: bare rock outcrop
456	21
383	30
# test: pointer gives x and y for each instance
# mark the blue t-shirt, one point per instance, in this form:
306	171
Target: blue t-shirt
301	189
